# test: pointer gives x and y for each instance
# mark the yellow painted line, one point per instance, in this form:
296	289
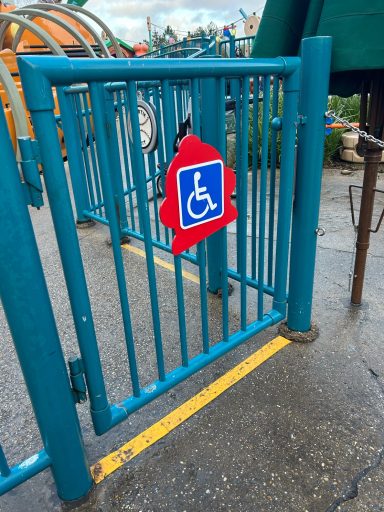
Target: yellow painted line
162	263
128	451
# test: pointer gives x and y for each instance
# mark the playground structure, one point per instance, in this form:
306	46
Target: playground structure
65	29
47	29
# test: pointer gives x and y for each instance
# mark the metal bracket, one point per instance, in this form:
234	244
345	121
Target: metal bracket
361	146
76	375
301	119
353	210
30	156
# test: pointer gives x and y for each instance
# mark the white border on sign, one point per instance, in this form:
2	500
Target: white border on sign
196	166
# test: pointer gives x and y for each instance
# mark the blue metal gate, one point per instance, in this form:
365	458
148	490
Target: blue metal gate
111	179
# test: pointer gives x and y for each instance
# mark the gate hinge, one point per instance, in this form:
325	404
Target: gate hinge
30	157
76	374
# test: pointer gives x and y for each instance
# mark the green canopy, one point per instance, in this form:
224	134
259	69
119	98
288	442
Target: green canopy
355	26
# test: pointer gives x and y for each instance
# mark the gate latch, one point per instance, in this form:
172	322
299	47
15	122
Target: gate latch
76	374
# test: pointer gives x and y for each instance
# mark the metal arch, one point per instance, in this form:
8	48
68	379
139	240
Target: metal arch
34	13
17	107
75	17
32	27
101	23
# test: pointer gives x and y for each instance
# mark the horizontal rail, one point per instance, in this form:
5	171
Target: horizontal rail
25	470
70	71
122	410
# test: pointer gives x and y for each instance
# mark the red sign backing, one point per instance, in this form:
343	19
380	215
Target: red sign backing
198	194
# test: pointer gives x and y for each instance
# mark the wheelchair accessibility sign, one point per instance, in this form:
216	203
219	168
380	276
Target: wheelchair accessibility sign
201	193
198	194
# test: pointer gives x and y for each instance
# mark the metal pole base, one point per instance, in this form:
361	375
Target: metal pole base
219	292
85	224
124	240
299	336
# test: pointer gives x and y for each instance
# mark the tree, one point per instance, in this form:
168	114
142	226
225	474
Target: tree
162	39
210	30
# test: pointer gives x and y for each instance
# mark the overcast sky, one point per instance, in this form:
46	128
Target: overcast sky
127	19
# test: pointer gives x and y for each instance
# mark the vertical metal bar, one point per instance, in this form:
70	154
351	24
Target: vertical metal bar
41	108
316	53
291	86
166	136
224	242
83	139
142	205
4	468
263	194
196	125
210	135
26	303
237	95
173	127
179	104
75	159
181	310
272	180
124	136
243	196
152	171
92	151
114	158
201	259
232	49
255	164
97	93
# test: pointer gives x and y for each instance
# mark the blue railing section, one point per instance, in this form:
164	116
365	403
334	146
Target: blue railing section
115	184
181	49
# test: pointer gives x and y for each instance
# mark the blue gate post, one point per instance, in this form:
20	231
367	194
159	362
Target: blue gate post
28	309
316	58
210	135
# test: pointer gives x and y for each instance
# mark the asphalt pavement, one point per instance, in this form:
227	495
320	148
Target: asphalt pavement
304	432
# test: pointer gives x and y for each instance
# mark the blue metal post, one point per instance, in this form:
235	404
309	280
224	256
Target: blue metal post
210	134
26	303
316	57
291	87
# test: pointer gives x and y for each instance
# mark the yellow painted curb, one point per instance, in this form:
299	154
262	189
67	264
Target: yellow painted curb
151	435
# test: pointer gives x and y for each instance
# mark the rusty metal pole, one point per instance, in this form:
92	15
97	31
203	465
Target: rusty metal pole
372	159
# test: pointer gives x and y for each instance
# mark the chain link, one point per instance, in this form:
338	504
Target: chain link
355	129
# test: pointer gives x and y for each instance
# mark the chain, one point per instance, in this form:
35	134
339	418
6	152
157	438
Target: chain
362	133
351	270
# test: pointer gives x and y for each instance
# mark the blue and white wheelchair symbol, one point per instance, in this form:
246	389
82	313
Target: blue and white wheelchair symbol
201	193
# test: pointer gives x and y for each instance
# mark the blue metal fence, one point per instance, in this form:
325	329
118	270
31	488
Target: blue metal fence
236	47
111	177
186	48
